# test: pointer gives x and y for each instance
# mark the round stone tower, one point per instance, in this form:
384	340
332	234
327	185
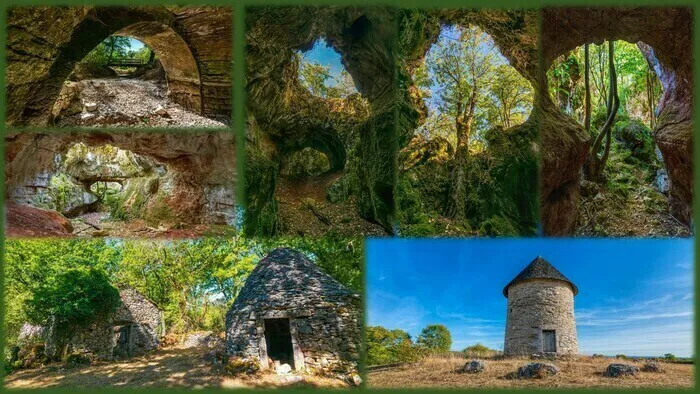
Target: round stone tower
540	317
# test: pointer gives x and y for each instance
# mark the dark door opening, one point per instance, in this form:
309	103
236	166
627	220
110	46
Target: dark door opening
549	341
278	338
123	346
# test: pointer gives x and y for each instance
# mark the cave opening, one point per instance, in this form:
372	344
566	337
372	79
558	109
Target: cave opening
474	105
624	184
321	71
100	189
142	75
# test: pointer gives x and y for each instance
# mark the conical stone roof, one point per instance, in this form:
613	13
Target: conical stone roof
539	268
288	278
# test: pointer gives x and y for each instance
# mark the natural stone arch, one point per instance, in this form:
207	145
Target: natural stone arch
44	44
668	32
284	114
202	164
515	34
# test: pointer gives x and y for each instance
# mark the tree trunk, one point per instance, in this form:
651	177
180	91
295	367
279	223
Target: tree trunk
595	164
112	41
456	203
587	82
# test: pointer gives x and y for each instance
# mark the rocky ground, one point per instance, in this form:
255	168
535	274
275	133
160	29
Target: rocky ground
99	224
25	221
169	367
585	372
305	211
633	208
123	102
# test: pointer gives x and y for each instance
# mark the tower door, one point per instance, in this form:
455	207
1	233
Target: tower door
278	339
549	341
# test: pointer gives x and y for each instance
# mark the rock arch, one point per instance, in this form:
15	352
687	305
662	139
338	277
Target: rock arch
668	32
44	44
284	116
203	166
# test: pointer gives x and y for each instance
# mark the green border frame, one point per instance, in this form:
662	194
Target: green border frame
238	119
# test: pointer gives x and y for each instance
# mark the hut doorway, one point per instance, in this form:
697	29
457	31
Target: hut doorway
124	340
278	340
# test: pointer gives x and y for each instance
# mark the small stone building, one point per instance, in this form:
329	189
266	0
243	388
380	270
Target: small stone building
134	328
291	312
540	317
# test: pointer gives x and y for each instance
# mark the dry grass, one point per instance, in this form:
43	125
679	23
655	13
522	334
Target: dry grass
163	368
582	373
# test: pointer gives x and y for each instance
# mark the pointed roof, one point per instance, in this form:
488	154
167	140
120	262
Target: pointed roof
286	277
539	268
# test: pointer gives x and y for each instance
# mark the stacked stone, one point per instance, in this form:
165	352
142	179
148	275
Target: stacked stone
324	315
540	298
99	339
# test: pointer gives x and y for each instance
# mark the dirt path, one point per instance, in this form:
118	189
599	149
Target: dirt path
305	210
583	373
184	368
124	102
99	224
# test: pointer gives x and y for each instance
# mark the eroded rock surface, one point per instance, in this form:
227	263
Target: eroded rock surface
667	44
45	43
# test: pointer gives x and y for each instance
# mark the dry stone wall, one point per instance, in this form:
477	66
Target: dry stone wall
537	305
324	316
100	339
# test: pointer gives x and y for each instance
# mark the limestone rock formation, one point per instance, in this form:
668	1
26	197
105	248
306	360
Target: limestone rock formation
667	44
45	43
284	117
289	303
201	167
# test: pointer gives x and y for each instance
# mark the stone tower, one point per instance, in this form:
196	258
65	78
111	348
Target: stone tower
540	317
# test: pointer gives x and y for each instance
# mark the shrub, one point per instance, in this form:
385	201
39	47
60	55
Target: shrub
235	366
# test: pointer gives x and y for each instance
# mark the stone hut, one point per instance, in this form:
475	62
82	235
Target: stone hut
134	328
291	312
540	317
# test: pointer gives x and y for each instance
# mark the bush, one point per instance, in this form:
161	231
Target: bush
235	366
75	359
669	357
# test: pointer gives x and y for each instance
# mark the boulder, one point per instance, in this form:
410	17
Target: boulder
651	366
473	366
618	370
161	111
90	107
356	380
537	370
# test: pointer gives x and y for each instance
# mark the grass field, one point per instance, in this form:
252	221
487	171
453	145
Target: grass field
581	373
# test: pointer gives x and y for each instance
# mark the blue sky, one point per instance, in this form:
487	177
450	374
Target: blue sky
325	55
635	296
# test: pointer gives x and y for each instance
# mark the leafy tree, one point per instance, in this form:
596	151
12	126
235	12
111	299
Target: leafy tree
435	337
669	357
71	299
389	346
477	349
595	163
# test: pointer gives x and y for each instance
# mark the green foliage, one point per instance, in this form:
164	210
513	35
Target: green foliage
435	338
669	357
478	348
239	366
72	298
638	86
389	346
306	163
